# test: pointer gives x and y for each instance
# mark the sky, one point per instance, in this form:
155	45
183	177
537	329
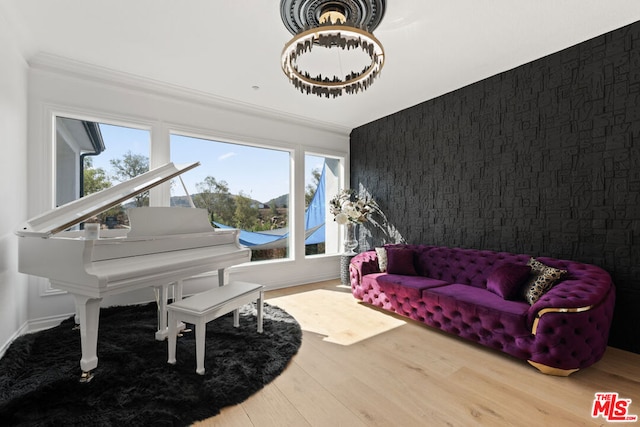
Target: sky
261	174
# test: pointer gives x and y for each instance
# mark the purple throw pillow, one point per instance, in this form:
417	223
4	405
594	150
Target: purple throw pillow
400	261
507	279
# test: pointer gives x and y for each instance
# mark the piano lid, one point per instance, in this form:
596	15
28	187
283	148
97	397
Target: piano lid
74	212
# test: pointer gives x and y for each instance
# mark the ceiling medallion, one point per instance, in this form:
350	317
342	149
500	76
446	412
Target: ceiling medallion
343	24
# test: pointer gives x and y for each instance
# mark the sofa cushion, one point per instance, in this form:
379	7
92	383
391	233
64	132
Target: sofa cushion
399	286
401	261
416	282
477	314
506	280
418	251
542	279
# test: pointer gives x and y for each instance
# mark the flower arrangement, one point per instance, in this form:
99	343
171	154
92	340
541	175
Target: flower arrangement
347	207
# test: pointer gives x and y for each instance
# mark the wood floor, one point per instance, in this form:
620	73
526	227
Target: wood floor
358	366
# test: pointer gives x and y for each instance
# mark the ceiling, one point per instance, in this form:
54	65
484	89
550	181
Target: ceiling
230	49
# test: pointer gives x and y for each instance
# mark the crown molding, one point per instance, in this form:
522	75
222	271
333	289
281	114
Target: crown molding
14	26
63	65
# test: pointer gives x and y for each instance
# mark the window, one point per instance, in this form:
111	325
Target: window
92	156
241	186
322	178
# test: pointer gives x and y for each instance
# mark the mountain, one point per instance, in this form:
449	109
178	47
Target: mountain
281	201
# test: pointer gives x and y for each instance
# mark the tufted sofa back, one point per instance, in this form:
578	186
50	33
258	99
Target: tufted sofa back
464	266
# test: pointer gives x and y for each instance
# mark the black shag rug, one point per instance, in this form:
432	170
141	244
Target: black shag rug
133	383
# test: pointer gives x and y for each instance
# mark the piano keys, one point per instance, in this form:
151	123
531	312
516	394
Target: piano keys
162	247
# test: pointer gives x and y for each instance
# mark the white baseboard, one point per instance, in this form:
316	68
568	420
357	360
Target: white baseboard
22	330
34	325
43	323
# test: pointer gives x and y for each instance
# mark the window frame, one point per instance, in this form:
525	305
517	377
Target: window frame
334	182
159	154
183	132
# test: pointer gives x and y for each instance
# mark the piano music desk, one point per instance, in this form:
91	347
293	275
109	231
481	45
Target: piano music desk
201	308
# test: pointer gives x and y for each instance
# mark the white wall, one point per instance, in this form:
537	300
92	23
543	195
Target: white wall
57	86
13	182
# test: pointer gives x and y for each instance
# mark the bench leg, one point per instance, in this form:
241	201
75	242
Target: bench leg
260	310
172	338
236	318
201	329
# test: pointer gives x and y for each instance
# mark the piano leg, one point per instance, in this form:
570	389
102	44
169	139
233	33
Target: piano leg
88	312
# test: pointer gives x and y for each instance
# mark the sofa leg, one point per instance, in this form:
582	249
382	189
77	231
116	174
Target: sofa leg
548	370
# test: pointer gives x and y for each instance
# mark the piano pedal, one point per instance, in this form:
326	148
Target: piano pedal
182	332
86	377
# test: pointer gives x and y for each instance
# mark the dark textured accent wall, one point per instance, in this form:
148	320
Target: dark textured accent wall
543	159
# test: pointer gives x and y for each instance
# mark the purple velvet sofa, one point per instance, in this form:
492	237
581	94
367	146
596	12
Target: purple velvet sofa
478	295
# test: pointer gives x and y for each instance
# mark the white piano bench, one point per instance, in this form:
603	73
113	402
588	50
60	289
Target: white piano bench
202	308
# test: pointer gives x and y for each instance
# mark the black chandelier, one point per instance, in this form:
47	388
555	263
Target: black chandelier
343	24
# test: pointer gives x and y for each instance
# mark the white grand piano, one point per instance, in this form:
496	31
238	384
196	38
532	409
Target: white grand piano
162	247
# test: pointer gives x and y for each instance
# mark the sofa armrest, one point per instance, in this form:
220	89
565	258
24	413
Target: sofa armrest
362	264
585	287
574	338
570	323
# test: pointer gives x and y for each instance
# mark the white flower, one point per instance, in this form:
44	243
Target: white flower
342	218
346	206
351	211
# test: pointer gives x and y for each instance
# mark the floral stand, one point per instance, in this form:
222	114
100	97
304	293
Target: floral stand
345	259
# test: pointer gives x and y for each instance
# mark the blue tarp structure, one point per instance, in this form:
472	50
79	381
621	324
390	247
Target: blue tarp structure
250	238
313	221
315	214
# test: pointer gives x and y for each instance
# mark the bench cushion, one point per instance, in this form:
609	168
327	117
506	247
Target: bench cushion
210	300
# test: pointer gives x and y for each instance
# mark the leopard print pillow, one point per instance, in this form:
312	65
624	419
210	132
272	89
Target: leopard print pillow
542	279
382	259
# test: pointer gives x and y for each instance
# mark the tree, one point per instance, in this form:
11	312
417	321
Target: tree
246	215
311	188
95	179
130	166
214	196
274	209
